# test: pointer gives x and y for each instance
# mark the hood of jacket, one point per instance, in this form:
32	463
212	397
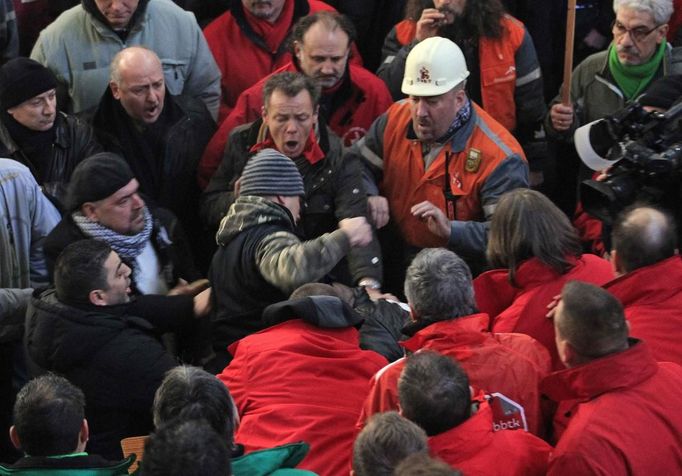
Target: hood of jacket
61	337
91	7
322	311
270	460
249	211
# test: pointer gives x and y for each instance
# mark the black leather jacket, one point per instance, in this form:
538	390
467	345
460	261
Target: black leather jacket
74	141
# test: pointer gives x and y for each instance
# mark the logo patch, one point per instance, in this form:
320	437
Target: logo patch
424	75
473	161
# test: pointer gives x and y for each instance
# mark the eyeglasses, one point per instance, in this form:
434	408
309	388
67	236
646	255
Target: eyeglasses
637	34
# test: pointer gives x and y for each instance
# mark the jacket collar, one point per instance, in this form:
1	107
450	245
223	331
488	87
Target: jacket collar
455	332
468	437
645	284
301	9
611	373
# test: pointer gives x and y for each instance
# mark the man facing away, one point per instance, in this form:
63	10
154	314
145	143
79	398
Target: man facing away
615	401
51	429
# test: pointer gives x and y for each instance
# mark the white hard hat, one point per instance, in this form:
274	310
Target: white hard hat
434	67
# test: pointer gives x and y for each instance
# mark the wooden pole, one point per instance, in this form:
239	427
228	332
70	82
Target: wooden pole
568	55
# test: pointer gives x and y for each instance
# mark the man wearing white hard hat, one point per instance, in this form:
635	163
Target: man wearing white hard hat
436	137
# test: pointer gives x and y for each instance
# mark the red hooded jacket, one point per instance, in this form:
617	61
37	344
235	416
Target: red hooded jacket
523	308
622	415
512	364
652	297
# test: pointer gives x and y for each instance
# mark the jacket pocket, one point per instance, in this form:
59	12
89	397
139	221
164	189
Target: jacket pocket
175	72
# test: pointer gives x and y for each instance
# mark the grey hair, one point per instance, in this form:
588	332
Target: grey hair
438	285
115	66
661	10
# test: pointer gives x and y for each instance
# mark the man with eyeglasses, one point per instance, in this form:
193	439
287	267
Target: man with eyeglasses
638	55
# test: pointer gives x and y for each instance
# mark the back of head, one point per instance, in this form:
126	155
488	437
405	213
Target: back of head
331	21
661	10
434	392
187	448
438	286
385	441
48	414
22	79
641	237
591	320
526	224
270	173
80	269
96	178
291	84
434	67
190	393
421	464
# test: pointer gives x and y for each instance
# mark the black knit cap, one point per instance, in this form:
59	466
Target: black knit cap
23	78
97	177
270	173
663	92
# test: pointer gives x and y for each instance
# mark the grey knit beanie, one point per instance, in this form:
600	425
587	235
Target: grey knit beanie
270	173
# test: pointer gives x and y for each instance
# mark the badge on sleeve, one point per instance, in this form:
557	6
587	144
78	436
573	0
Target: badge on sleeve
473	161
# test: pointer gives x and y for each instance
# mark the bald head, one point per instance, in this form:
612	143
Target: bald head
136	80
642	236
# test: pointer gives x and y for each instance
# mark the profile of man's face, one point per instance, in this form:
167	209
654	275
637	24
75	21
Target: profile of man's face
122	212
118	281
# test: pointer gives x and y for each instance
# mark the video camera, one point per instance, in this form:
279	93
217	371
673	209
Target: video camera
643	154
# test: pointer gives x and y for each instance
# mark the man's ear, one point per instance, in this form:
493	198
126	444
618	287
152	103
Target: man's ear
96	297
14	437
297	50
83	436
616	263
88	210
115	90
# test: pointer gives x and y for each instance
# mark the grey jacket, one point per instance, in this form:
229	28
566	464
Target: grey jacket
27	217
78	49
595	94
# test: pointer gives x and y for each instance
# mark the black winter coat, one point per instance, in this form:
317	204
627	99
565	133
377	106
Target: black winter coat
114	357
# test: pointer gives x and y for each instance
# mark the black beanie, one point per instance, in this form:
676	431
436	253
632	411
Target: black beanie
663	92
96	178
270	173
23	78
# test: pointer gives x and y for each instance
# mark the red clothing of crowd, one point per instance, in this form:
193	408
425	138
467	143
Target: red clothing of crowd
621	416
298	382
523	308
475	449
512	364
242	52
652	298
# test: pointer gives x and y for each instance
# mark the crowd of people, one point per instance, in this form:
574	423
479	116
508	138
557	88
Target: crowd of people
331	237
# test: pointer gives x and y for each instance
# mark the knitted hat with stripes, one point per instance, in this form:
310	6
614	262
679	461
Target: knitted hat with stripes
271	173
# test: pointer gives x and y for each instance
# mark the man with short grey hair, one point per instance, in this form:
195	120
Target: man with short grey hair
604	82
445	319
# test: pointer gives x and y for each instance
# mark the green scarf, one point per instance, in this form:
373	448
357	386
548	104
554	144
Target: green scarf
632	80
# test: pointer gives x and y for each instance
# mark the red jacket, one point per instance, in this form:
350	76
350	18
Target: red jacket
512	364
298	382
523	308
623	416
475	449
366	99
241	55
652	297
